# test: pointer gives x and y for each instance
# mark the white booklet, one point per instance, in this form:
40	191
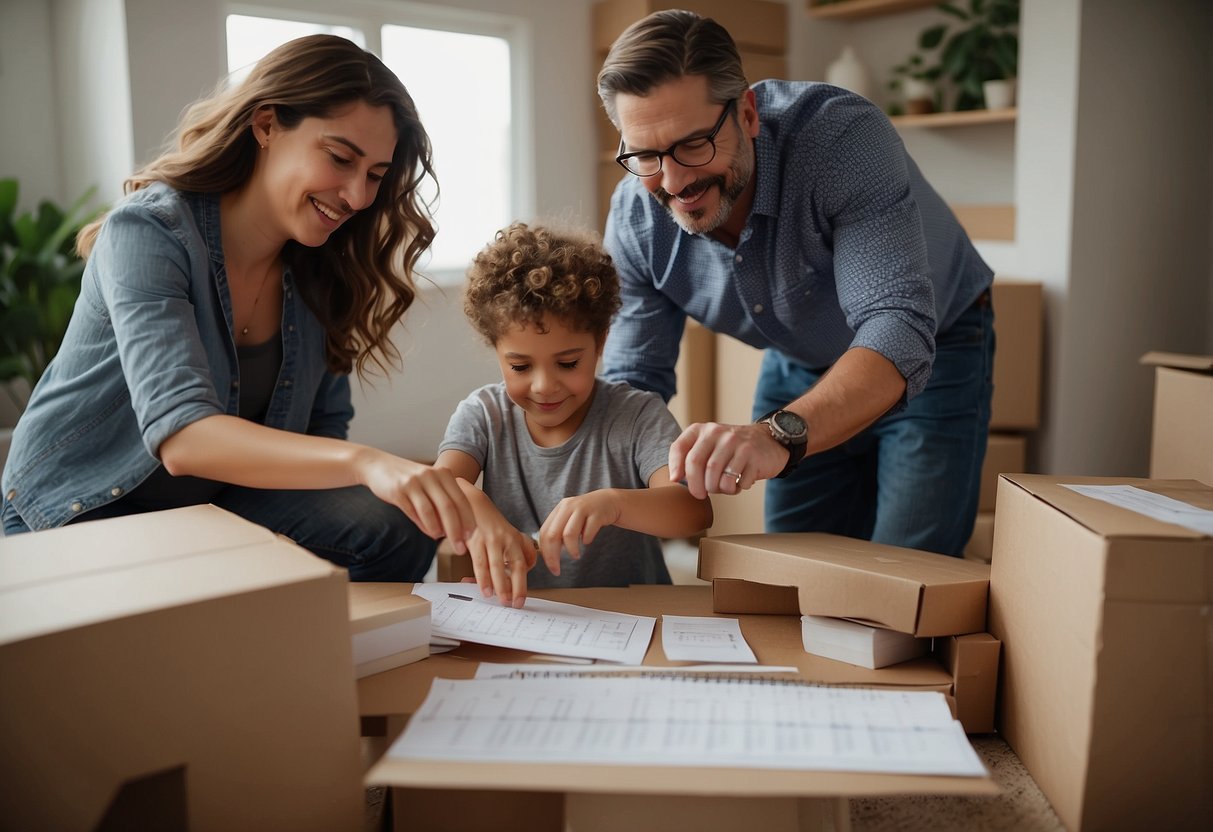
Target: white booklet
688	721
688	638
458	611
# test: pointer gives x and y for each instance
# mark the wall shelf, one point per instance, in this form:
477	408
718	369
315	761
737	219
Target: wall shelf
961	119
856	9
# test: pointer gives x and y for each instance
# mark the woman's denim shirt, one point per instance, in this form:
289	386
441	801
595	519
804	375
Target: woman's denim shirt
148	351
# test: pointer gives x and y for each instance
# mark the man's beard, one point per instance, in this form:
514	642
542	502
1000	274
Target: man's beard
697	221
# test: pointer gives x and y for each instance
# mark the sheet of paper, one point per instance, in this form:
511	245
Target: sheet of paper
688	638
1152	505
541	626
688	721
503	670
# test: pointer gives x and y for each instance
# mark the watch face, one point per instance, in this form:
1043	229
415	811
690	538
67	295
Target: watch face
789	423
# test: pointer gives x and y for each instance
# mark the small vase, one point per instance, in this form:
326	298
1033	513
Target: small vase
999	95
919	95
849	73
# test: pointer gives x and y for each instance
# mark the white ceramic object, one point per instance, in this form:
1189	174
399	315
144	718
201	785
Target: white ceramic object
849	72
999	95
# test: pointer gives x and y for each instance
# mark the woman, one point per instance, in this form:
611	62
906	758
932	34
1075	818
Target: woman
224	302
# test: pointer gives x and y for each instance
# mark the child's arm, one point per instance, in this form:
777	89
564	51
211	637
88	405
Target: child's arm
664	509
501	555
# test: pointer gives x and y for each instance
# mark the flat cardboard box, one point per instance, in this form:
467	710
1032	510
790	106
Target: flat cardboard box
1107	680
176	669
389	626
919	593
1019	328
423	788
1182	438
1006	453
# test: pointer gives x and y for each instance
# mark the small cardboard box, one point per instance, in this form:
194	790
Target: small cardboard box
389	625
981	543
1182	439
1107	681
1006	453
1019	327
809	573
178	669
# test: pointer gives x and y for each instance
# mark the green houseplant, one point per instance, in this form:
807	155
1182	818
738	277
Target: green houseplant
39	281
982	45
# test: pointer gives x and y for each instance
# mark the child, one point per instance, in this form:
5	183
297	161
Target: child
544	300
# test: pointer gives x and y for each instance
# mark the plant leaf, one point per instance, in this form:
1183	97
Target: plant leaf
948	8
930	38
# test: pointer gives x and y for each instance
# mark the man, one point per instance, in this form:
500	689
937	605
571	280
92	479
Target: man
789	216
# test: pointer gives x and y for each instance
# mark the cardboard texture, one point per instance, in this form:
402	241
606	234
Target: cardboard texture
625	797
695	400
918	593
756	25
1006	453
1019	328
981	545
1182	438
1107	679
389	626
180	667
736	372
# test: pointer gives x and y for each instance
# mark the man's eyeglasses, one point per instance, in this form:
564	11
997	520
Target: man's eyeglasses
690	153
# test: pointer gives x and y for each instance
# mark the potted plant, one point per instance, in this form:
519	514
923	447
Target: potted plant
915	81
982	47
39	281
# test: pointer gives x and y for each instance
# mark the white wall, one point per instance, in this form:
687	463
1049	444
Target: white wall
28	130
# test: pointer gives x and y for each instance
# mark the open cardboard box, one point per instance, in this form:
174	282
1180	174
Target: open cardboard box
1106	616
179	669
808	573
622	797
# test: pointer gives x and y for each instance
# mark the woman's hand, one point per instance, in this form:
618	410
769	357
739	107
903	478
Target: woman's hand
575	522
431	497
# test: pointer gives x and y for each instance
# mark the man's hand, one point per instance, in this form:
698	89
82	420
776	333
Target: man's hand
725	459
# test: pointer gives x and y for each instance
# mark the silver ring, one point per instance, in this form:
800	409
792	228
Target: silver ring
736	477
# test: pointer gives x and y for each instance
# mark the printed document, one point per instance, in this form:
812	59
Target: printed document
458	611
1152	505
688	721
504	670
686	638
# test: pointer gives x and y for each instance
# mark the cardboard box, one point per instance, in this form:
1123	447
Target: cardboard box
736	373
176	669
981	545
1006	453
1182	440
1019	329
755	25
906	590
389	625
1107	682
695	400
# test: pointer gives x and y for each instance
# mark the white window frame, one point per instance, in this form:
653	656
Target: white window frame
370	16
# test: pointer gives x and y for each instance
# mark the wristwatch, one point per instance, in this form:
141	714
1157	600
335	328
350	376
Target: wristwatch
788	430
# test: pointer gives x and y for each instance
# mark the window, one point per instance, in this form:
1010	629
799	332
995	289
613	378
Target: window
462	72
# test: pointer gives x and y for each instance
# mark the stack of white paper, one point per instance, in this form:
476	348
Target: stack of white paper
859	644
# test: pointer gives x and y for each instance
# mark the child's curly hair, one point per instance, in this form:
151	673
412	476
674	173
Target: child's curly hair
526	273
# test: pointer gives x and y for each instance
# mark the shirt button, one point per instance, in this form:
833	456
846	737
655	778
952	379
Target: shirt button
737	259
11	495
115	491
77	507
286	383
758	309
235	385
290	328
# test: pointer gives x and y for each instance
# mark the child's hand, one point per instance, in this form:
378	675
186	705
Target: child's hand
575	522
501	557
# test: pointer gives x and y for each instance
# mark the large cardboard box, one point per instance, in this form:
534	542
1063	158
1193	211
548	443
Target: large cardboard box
1182	440
1106	619
736	373
1006	453
173	670
695	400
810	573
1019	328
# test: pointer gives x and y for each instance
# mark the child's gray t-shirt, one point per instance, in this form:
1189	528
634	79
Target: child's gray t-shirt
625	437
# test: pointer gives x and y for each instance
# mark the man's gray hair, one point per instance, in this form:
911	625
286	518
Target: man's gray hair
665	46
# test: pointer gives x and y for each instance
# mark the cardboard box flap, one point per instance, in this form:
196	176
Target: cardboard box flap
102	594
1179	361
1113	521
374	604
71	550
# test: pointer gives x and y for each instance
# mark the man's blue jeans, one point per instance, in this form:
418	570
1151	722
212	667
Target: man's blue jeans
350	527
912	478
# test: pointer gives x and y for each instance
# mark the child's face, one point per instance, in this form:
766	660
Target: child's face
550	375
